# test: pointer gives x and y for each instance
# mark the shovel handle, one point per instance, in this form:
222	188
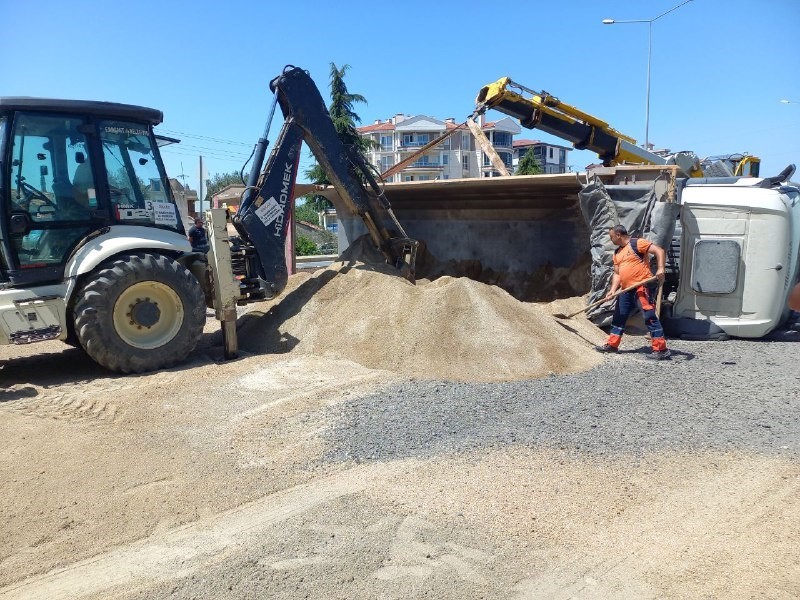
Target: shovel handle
617	293
658	299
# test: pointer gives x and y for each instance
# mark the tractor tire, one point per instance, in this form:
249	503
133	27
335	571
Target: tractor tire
72	337
139	312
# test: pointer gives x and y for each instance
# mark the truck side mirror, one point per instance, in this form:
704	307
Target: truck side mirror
19	223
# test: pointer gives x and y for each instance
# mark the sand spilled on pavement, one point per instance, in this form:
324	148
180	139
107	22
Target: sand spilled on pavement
450	328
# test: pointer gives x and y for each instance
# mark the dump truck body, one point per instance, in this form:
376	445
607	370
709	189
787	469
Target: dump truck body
524	234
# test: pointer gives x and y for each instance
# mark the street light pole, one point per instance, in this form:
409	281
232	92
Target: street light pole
647	101
649	56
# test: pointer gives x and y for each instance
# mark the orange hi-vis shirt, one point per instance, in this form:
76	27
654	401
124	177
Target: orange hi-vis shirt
630	267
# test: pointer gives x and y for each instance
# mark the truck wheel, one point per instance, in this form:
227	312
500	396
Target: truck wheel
139	313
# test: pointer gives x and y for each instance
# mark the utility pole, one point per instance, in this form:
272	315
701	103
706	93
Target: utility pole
649	55
200	193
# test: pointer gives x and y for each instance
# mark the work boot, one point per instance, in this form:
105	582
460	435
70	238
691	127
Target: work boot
606	348
660	355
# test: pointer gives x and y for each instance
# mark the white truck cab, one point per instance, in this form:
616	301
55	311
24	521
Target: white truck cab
739	255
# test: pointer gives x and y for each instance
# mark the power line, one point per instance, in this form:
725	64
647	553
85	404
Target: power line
174	152
193	150
233	161
202	149
204	137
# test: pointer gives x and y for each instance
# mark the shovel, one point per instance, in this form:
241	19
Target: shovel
604	300
658	300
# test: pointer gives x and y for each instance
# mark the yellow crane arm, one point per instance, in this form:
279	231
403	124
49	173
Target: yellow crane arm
547	113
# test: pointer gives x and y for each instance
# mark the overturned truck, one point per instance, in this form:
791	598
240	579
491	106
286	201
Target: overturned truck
732	242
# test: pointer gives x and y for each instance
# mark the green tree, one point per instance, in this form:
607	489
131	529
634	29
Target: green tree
528	164
305	211
341	109
344	120
305	246
218	182
319	203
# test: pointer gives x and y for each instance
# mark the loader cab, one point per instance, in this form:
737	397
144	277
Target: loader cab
68	171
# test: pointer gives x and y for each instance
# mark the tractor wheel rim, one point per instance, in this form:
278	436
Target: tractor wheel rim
148	315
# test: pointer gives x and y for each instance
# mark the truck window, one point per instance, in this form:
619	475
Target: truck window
715	266
136	186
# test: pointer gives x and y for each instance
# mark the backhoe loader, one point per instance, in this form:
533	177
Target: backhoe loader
92	248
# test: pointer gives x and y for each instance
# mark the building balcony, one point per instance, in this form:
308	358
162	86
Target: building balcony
433	166
492	172
488	166
407	146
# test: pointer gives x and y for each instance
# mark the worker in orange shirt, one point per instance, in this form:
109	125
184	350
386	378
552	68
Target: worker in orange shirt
631	265
794	298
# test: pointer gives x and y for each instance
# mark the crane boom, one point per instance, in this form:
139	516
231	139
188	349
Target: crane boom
586	132
547	113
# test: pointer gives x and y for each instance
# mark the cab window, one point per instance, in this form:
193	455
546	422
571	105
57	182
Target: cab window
50	186
136	186
51	174
2	147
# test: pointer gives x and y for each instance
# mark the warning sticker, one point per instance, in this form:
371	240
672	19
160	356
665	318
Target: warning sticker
164	213
269	211
133	214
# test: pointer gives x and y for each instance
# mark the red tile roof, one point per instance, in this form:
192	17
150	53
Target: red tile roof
523	143
387	126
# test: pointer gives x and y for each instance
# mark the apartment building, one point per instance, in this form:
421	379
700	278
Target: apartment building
457	157
552	157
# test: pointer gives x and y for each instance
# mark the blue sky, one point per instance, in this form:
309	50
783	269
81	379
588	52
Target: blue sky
719	68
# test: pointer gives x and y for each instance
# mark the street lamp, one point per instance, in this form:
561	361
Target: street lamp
649	52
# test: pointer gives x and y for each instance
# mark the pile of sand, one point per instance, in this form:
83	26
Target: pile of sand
544	285
450	328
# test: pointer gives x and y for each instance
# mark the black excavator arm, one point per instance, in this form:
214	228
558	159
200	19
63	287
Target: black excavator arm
262	219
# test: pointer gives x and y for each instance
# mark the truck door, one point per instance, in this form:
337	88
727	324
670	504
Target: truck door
51	197
712	261
736	262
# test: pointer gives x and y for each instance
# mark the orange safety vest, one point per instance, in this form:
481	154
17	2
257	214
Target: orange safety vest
633	266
